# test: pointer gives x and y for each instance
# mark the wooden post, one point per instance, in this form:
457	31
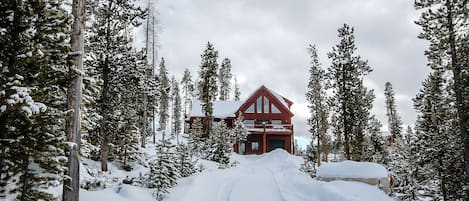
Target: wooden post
71	185
264	140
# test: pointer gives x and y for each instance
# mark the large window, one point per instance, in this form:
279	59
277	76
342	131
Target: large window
266	105
255	146
259	105
250	109
275	110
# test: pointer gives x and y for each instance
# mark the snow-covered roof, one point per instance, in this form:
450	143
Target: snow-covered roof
221	109
352	169
279	97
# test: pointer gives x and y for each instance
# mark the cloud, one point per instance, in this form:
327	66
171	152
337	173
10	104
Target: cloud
266	41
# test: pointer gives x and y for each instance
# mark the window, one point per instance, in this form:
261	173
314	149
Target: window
266	105
275	110
259	105
250	109
255	146
277	124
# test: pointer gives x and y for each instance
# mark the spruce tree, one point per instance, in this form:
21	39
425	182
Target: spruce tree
219	150
239	133
207	84
176	113
163	171
375	150
444	24
187	87
110	49
33	77
224	78
439	152
184	163
317	102
164	95
196	141
237	93
394	120
351	99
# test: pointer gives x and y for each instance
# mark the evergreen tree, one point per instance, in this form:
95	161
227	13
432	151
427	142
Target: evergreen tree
239	133
176	116
184	163
309	164
164	95
394	120
109	51
187	87
444	24
207	84
196	140
237	93
163	171
33	70
375	150
439	153
224	78
219	150
317	102
351	100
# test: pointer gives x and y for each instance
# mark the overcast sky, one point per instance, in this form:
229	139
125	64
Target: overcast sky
266	41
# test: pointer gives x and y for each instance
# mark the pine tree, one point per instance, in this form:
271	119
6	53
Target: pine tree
176	113
207	84
439	154
309	161
33	77
237	93
444	24
187	87
163	171
239	133
219	145
184	163
317	103
110	49
164	95
196	141
375	151
394	120
224	78
351	99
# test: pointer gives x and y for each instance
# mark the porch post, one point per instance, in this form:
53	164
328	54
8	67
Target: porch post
264	141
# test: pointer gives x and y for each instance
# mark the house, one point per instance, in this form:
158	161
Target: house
267	117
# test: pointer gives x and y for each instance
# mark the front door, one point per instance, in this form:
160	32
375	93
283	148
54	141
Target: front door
274	144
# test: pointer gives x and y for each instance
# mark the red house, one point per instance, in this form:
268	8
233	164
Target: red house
267	117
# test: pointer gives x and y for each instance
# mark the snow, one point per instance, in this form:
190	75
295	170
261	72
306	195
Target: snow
352	169
272	176
221	109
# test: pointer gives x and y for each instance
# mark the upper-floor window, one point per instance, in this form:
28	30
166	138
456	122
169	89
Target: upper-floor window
275	110
250	109
259	105
266	105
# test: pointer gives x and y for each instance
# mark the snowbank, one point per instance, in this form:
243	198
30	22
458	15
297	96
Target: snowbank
352	169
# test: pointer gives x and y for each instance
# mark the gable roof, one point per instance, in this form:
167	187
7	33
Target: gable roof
283	102
225	109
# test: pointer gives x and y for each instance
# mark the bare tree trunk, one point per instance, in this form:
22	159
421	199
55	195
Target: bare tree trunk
71	185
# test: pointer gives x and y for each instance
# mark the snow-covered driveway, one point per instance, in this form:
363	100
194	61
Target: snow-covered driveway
269	177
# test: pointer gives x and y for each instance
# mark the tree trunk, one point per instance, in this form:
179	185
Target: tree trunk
71	185
462	109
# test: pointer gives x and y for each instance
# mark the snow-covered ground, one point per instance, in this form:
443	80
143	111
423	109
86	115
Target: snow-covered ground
273	176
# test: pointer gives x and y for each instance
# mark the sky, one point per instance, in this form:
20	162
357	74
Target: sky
266	41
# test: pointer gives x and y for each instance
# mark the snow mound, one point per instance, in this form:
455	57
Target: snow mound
352	169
